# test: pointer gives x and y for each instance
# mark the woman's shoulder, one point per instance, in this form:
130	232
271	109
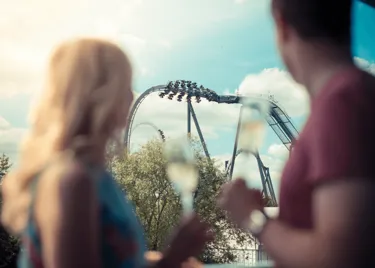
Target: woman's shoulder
62	185
73	176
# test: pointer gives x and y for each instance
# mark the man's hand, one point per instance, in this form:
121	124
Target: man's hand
192	263
239	201
152	257
188	241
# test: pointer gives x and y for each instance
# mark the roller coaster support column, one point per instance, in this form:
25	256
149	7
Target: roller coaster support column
188	120
270	185
199	130
235	146
266	180
262	177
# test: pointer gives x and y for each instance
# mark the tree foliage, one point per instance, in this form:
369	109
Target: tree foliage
9	245
5	165
143	177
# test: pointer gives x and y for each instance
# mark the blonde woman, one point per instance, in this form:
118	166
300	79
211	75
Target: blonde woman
67	208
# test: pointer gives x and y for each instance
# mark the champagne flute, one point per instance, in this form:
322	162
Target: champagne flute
252	127
182	170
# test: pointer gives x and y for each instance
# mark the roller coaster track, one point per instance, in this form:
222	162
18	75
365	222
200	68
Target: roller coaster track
278	119
158	130
134	110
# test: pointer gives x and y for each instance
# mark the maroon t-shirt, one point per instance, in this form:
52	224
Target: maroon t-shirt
337	142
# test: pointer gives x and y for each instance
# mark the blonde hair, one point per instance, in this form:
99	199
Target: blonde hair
85	104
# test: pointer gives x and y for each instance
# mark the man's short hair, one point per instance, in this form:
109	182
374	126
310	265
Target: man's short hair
328	20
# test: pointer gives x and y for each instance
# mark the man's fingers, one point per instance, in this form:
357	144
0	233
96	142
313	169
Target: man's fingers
221	201
257	194
240	183
194	226
189	221
224	189
203	232
231	187
192	263
200	232
210	235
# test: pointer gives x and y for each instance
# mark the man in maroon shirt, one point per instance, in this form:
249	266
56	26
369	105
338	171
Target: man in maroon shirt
327	188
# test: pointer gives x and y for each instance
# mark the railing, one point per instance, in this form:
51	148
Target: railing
246	258
233	265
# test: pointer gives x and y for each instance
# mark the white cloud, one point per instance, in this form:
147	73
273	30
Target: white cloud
278	151
4	125
365	65
165	43
248	166
291	96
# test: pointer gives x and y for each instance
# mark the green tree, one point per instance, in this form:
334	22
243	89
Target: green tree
142	175
9	245
5	165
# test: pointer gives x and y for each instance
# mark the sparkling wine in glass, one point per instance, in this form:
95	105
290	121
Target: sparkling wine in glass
182	170
252	127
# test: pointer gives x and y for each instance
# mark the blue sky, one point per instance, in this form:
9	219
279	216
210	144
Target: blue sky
217	43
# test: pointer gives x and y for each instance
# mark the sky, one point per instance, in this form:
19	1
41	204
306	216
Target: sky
225	45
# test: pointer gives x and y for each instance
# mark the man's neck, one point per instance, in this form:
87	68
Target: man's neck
320	64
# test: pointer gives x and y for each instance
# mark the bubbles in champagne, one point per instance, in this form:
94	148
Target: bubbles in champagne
184	176
178	150
252	129
181	168
251	135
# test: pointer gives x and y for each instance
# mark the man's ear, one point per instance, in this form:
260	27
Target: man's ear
282	28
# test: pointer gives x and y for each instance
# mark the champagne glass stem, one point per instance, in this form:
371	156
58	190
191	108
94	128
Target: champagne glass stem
187	203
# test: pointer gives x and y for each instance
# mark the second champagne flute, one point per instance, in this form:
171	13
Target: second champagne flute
252	127
182	170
